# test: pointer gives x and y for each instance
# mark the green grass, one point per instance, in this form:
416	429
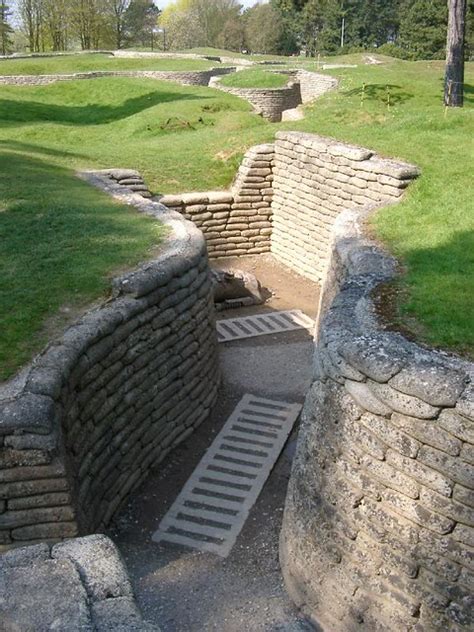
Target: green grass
187	138
432	230
254	78
95	61
59	241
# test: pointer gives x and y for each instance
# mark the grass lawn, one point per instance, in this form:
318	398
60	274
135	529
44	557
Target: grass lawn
95	61
59	241
254	78
432	230
191	138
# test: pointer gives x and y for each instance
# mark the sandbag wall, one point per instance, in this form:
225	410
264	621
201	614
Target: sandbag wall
235	222
315	179
379	519
83	425
183	77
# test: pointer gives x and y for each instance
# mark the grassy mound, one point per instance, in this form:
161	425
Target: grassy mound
60	239
95	61
254	78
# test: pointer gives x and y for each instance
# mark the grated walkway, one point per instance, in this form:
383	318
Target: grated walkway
213	506
262	324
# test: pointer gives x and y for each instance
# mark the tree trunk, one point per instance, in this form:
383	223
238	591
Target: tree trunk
454	77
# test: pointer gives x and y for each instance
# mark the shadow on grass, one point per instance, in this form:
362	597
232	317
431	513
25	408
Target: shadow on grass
468	92
16	145
93	114
380	92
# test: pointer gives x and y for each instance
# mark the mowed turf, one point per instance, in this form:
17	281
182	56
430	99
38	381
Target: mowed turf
187	138
254	78
96	61
396	109
61	239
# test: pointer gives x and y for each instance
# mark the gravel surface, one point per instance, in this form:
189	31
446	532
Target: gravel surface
188	591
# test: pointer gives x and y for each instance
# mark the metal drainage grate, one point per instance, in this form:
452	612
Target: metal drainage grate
212	507
260	324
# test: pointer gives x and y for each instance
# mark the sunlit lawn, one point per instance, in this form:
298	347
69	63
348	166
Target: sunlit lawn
63	238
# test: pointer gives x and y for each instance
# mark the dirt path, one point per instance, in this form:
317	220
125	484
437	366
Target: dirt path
189	591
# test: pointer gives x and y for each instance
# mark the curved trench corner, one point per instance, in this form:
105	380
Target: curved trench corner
377	523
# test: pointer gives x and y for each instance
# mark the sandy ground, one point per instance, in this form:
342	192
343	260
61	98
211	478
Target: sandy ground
188	591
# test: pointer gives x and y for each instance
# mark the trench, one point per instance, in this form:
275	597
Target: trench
184	590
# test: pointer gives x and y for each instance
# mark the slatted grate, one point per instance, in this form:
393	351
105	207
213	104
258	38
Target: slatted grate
212	507
261	324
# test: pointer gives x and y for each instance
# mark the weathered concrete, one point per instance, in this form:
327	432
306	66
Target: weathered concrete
111	397
80	585
378	522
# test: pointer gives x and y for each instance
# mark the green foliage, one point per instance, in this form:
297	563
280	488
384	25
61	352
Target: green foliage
254	78
392	50
6	30
263	29
140	19
191	23
423	28
416	26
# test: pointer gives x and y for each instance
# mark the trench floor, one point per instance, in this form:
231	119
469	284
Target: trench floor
185	590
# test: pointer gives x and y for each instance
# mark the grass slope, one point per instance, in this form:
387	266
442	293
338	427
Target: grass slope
59	241
95	61
432	230
254	78
185	138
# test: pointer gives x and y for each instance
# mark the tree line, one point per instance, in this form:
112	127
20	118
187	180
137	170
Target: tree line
61	25
410	29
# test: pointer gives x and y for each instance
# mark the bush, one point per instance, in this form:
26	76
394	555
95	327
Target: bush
392	50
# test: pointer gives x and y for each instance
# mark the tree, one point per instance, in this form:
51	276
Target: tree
5	29
88	22
232	35
423	28
141	18
264	28
55	22
33	16
191	23
454	76
180	20
116	11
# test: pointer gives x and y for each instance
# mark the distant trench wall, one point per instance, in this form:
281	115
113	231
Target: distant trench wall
235	222
269	102
187	78
303	87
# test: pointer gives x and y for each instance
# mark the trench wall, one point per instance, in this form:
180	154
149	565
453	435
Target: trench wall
235	222
77	585
303	87
269	102
378	526
315	179
188	78
82	426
